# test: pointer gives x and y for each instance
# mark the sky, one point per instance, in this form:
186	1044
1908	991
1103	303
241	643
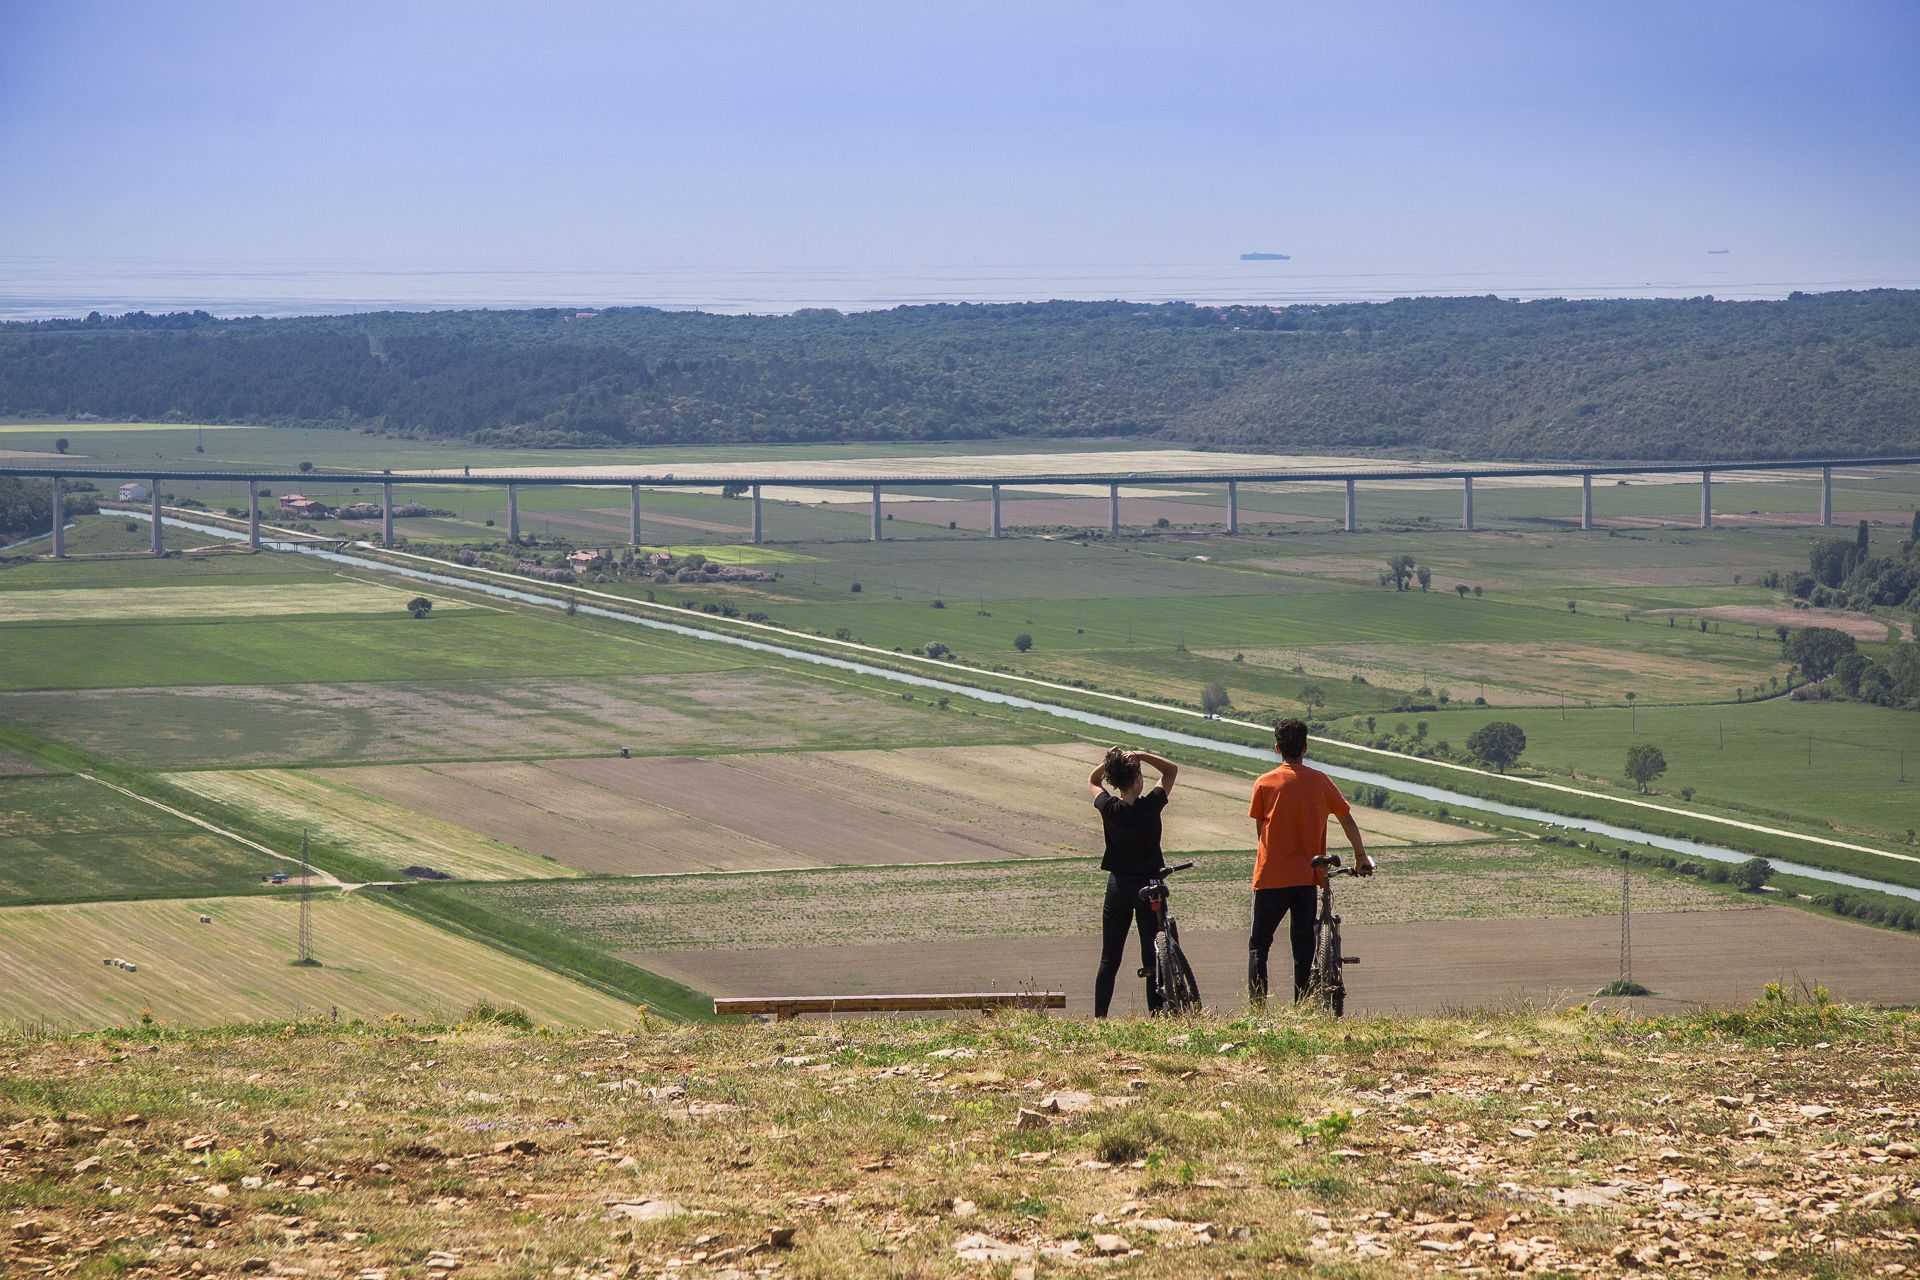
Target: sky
725	153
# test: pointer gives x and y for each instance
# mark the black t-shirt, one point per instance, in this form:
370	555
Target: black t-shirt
1133	832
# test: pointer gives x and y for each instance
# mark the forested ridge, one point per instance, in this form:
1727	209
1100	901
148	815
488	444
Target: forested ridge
1479	377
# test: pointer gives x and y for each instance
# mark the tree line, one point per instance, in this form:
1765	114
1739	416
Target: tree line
1812	374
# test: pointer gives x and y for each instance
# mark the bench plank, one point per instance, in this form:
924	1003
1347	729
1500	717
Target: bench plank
784	1007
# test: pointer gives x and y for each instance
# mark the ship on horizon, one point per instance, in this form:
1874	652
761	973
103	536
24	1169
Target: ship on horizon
1266	257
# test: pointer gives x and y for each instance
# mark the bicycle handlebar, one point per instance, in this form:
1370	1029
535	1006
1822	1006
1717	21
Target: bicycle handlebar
1167	871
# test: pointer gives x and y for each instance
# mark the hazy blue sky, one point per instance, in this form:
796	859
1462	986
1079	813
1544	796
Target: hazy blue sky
1569	142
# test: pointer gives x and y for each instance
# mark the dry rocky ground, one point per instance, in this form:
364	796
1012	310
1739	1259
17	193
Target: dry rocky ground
1779	1139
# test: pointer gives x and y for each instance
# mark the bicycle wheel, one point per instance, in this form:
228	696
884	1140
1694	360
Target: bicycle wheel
1173	977
1329	977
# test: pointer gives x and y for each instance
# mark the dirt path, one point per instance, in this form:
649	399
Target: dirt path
1688	958
319	876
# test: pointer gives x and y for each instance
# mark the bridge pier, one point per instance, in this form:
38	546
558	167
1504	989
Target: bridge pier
995	521
1826	497
513	513
876	513
1351	524
59	518
386	513
1113	511
253	514
1706	499
633	514
756	513
1586	501
1466	505
1233	506
159	543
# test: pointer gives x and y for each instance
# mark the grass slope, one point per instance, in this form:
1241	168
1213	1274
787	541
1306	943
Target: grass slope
1591	1143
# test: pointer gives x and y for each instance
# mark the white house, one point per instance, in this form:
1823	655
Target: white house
131	492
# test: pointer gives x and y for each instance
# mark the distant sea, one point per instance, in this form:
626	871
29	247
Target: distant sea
37	288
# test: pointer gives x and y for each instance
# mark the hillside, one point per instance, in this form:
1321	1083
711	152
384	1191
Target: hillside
1774	1140
1479	377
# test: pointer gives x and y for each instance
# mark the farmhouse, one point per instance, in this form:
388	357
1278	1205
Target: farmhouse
581	559
294	504
131	492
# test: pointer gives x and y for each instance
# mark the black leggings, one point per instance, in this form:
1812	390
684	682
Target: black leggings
1120	913
1269	905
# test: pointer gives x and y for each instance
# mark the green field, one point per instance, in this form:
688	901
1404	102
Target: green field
1838	761
461	645
68	839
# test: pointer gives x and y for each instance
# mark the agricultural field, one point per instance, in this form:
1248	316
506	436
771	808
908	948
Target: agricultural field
724	708
1061	898
374	961
666	814
1855	766
345	817
70	839
780	822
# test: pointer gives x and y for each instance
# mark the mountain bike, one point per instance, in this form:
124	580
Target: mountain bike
1171	976
1327	982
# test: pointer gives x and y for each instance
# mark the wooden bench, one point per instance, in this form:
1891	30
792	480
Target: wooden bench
784	1007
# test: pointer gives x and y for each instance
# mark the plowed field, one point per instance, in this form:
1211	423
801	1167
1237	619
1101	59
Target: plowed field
1687	958
662	815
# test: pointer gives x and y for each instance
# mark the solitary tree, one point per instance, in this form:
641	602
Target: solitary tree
1023	642
1214	699
1425	575
733	490
1753	874
1312	696
1460	589
1645	762
938	650
419	606
1573	606
305	467
1478	591
60	446
1399	572
1498	742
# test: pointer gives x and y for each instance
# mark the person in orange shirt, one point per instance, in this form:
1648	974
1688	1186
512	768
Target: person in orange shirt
1290	808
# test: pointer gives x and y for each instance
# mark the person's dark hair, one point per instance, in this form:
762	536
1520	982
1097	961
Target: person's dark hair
1290	738
1122	771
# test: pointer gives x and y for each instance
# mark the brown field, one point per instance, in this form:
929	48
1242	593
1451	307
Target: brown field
1059	896
1687	958
1770	616
365	825
1516	674
60	604
662	814
1089	513
374	961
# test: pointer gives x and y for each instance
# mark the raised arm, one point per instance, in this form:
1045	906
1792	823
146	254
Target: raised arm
1094	779
1167	769
1362	864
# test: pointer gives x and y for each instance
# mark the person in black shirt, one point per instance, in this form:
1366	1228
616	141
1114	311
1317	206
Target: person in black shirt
1132	825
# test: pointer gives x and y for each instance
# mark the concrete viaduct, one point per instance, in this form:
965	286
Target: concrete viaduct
1232	480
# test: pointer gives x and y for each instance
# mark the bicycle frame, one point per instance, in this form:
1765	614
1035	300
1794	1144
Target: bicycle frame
1172	977
1327	981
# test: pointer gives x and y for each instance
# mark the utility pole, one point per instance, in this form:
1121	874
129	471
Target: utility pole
306	906
1626	924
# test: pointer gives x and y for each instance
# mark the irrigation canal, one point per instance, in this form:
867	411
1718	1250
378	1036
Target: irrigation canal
1672	844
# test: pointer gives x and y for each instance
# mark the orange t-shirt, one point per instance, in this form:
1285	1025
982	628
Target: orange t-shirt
1296	802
